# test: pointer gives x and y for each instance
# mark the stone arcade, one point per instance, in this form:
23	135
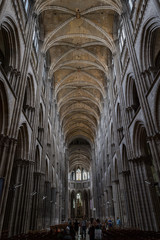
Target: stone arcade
79	112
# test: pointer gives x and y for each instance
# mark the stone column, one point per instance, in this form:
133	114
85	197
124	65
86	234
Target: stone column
75	204
111	212
14	199
135	195
130	215
93	179
40	215
66	185
7	150
47	204
35	201
53	206
151	197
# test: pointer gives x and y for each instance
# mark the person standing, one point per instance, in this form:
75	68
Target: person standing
83	226
106	224
110	225
98	230
118	222
76	226
91	230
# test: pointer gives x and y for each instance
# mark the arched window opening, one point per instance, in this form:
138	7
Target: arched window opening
88	175
28	102
125	164
4	50
112	141
26	5
150	51
46	171
135	104
22	143
116	170
155	50
121	36
132	99
25	100
119	123
10	52
84	175
73	178
131	4
78	174
49	137
36	39
37	160
40	127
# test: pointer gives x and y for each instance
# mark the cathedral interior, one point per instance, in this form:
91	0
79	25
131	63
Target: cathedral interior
79	113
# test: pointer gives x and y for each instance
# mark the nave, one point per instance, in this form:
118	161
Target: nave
79	115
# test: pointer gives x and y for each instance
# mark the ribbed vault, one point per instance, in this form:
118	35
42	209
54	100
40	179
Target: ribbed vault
78	36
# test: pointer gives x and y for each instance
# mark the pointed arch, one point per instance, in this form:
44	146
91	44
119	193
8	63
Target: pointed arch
41	117
47	170
22	149
112	140
132	99
115	169
125	165
10	43
150	46
140	145
119	116
37	160
49	134
109	178
29	98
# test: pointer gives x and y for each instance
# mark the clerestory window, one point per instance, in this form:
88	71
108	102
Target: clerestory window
131	4
26	5
35	40
78	174
122	37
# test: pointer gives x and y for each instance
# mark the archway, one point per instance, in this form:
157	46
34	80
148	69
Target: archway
145	180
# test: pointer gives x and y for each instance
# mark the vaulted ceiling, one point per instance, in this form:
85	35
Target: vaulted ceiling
78	35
